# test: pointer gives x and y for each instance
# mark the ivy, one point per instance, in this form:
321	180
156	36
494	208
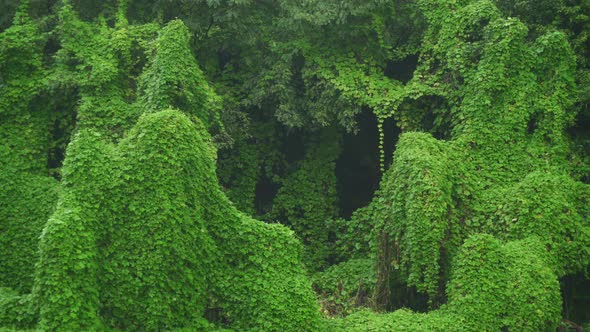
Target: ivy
138	238
345	286
17	312
28	195
24	125
255	157
493	286
173	78
509	101
484	206
306	202
29	201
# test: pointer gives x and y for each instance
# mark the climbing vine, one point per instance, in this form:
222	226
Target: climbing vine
509	104
182	165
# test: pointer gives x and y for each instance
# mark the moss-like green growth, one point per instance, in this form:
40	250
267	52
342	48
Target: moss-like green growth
17	311
345	286
552	207
28	195
239	170
503	169
27	203
24	124
67	275
138	230
307	201
494	286
420	176
142	238
173	78
157	250
497	286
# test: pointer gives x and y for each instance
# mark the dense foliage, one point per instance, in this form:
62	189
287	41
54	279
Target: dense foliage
209	165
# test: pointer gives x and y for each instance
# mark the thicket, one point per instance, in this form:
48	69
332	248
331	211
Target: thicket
142	238
209	165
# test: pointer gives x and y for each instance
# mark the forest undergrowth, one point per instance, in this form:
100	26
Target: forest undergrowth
238	165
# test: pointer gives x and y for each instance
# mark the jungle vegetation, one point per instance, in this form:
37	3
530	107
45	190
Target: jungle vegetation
240	165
